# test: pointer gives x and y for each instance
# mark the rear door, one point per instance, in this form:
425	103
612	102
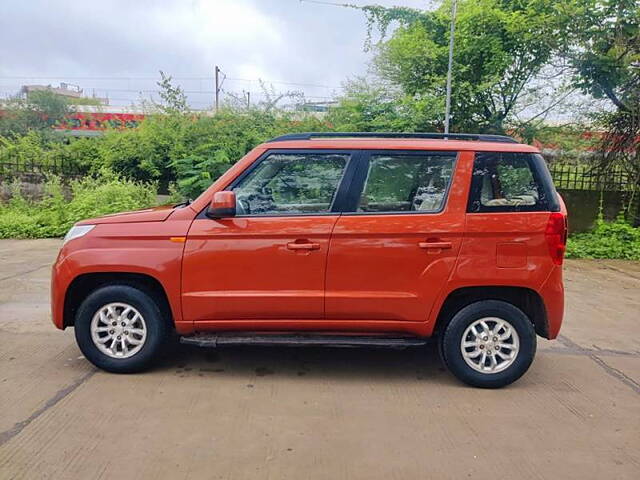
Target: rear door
397	240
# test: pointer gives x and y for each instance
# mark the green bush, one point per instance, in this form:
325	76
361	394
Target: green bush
615	239
24	150
187	149
55	214
37	150
208	146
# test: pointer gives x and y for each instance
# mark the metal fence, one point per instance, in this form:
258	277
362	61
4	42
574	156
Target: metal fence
62	168
584	177
565	176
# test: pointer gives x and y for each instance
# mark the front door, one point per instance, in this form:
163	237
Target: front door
392	253
267	262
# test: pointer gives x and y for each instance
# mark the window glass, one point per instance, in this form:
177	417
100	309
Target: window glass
506	180
406	183
290	184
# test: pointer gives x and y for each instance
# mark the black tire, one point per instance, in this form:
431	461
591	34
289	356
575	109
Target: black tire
450	343
155	317
440	344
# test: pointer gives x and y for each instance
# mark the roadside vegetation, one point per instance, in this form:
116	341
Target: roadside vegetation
611	240
514	63
58	209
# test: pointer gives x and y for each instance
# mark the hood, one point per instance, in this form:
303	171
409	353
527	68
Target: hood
156	214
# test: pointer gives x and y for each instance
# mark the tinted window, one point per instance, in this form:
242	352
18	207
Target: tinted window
290	184
506	182
406	183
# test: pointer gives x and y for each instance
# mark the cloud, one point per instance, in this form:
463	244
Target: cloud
90	43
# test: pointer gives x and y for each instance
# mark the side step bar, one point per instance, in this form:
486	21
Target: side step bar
302	340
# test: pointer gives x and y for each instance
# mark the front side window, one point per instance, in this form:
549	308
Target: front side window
291	184
505	182
407	183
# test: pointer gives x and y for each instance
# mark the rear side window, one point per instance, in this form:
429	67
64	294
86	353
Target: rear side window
509	182
406	183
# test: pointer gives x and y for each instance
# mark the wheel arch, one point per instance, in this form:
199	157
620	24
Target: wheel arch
526	299
82	285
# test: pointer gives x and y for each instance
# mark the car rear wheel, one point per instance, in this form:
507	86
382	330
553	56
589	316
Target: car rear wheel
121	328
489	344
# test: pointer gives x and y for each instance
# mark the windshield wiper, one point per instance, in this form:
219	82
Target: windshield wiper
183	204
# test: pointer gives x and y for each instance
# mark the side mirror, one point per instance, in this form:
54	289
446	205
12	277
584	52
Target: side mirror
223	204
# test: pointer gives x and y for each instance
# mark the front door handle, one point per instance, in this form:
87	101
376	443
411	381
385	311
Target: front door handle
303	246
435	245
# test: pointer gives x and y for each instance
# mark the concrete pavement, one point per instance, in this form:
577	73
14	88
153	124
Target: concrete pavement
249	413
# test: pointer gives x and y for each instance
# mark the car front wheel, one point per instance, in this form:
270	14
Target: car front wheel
121	328
489	344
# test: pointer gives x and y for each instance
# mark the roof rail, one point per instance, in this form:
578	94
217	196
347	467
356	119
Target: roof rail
442	136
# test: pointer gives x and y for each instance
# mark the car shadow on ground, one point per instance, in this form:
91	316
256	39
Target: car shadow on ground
414	363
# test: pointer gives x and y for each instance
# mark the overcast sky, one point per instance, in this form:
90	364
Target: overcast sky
117	47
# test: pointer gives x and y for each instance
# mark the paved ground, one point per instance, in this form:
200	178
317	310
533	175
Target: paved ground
298	414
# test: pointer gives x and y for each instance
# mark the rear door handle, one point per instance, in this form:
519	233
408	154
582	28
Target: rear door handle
303	246
434	245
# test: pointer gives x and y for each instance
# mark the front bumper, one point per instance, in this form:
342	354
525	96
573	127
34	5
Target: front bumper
60	280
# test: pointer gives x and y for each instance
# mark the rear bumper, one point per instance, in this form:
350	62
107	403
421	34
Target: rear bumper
552	293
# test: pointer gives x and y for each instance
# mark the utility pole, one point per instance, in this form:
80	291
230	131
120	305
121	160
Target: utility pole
217	88
447	112
248	100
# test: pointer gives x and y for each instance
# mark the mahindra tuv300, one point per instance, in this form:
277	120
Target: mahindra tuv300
337	240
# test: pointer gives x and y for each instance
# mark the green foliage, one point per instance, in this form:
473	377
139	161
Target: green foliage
615	239
24	150
80	155
604	50
96	102
208	146
39	111
190	150
367	107
143	153
173	97
383	17
37	149
55	213
500	47
196	173
175	196
568	139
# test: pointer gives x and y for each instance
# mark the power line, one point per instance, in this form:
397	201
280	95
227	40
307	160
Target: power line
218	79
108	90
295	84
332	4
114	78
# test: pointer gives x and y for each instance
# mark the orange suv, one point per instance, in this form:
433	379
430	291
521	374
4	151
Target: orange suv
333	239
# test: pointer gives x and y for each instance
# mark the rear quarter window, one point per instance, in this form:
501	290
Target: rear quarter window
510	182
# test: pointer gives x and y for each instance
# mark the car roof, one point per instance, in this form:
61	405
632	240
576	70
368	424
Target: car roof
399	144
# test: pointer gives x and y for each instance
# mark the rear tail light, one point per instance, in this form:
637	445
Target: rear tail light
556	235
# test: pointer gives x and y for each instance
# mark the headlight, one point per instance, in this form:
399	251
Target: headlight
77	231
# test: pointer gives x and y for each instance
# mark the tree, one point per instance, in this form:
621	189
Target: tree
501	45
173	97
37	111
604	52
